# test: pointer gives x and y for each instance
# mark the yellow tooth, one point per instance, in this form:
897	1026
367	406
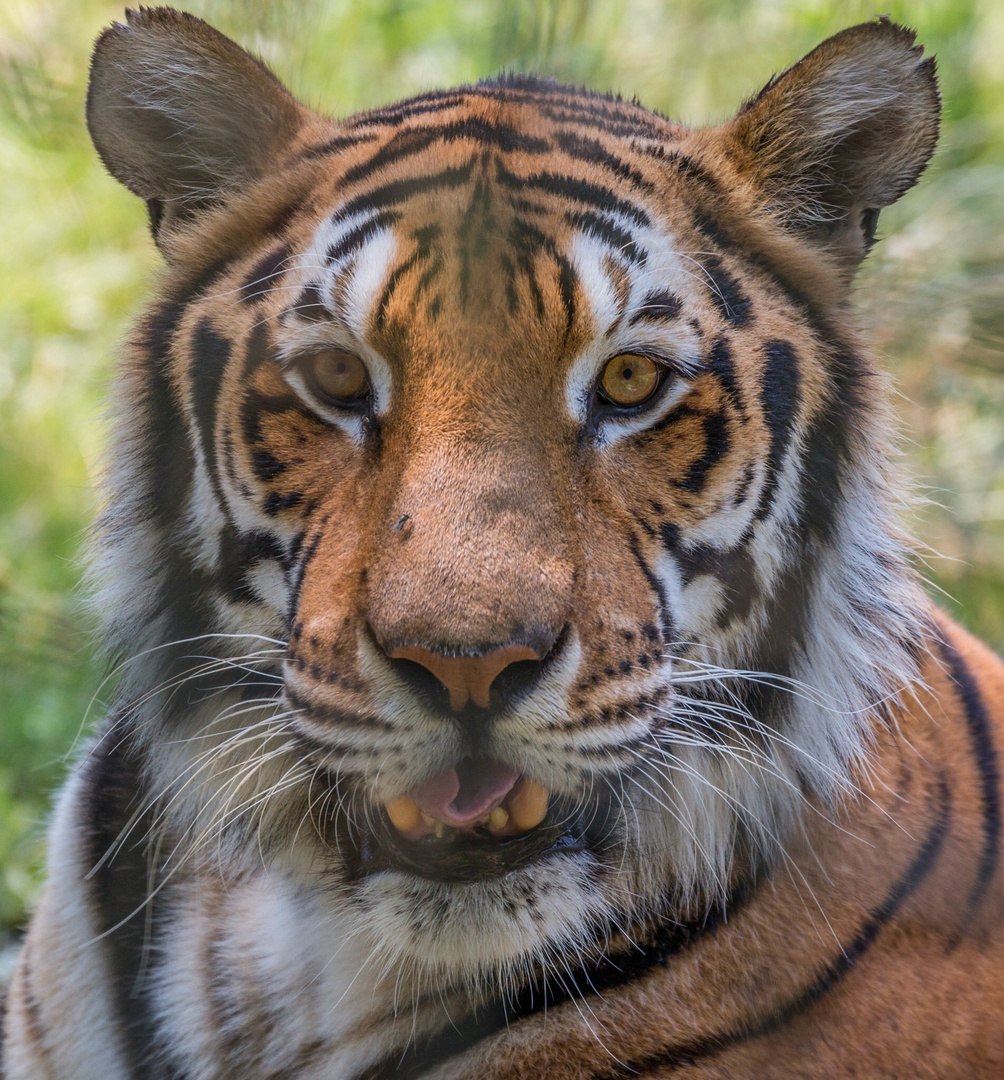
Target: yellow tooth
438	829
403	814
498	818
428	819
528	805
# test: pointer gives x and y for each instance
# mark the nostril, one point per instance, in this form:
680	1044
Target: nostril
465	678
423	683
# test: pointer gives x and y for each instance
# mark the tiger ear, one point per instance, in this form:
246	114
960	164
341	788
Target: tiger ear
840	135
182	115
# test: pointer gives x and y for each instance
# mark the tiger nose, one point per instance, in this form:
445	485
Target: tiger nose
467	678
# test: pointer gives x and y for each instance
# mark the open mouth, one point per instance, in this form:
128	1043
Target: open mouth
479	819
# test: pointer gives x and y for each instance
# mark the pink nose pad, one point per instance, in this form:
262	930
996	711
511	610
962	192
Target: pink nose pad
466	677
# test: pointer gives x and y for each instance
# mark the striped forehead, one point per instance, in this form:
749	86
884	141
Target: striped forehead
615	262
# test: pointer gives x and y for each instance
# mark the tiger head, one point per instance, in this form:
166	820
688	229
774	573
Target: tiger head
499	525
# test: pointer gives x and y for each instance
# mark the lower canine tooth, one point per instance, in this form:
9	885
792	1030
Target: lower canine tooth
498	818
528	805
403	813
428	820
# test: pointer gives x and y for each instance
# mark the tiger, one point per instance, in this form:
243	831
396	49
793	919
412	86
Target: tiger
521	669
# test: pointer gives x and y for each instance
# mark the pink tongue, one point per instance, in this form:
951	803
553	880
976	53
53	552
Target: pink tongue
462	795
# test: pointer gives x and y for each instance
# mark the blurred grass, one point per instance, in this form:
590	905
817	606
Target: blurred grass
75	263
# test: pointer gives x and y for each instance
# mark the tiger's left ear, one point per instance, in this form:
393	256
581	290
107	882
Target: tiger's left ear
840	135
182	115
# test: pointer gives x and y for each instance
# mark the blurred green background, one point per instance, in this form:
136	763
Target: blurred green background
76	262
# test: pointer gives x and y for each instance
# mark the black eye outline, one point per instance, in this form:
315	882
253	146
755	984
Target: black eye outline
666	376
360	402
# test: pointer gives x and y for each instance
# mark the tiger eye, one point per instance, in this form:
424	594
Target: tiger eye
630	379
337	375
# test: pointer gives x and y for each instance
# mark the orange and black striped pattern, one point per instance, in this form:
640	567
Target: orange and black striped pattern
522	670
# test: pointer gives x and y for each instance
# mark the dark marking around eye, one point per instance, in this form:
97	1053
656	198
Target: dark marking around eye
779	395
729	298
256	406
657	307
262	278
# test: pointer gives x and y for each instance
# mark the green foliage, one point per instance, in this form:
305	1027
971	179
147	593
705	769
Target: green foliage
76	261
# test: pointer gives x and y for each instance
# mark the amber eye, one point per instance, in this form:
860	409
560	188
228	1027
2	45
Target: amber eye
630	379
336	376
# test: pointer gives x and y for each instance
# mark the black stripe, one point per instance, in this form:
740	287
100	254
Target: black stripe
470	128
399	191
262	278
981	733
380	315
779	396
717	443
726	292
113	791
572	187
333	146
211	355
437	101
309	305
593	151
722	366
167	455
657	307
844	962
240	553
528	241
603	228
355	238
690	169
665	616
600	122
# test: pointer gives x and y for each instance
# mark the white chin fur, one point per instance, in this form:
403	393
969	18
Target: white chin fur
477	933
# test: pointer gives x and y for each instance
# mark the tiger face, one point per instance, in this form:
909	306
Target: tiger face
511	457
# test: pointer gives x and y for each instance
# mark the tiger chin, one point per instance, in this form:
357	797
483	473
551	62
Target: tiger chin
520	669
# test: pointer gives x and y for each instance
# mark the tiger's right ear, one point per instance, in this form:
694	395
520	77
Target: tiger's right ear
182	115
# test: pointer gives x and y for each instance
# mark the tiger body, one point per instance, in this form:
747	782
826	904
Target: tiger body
769	764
